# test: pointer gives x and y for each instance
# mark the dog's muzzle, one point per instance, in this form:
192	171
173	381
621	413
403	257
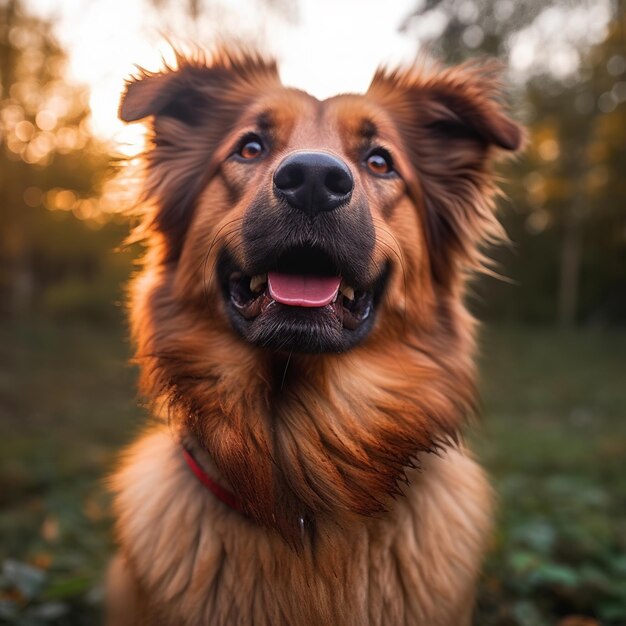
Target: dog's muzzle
307	282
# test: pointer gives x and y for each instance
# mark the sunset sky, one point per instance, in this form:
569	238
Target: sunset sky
324	46
106	38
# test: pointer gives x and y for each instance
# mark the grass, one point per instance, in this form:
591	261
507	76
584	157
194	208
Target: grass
66	406
553	438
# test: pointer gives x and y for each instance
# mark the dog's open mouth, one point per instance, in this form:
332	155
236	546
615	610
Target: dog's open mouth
252	296
302	303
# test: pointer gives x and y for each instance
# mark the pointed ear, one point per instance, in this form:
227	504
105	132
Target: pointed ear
454	125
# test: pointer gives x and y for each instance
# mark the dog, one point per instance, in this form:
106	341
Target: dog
301	332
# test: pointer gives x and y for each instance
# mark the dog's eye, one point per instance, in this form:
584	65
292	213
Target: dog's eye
379	162
250	148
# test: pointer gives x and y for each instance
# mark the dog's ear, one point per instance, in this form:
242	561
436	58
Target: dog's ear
189	111
184	93
453	124
148	94
179	94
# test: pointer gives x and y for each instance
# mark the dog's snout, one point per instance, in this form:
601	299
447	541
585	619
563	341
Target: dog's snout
313	182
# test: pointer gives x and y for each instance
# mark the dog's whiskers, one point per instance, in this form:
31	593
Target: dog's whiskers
217	239
404	279
233	249
282	382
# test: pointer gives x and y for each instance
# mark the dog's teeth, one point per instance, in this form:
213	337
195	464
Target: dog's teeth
258	282
347	291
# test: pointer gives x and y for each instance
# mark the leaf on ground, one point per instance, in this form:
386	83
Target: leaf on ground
27	579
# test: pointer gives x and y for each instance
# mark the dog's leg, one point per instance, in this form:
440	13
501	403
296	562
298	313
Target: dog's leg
122	607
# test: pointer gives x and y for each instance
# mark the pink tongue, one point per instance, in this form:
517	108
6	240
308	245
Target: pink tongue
298	290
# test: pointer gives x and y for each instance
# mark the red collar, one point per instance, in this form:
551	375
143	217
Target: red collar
221	493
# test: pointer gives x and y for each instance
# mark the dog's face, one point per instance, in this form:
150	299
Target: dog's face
299	213
279	224
310	180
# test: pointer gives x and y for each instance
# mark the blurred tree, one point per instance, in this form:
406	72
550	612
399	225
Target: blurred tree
458	29
50	165
575	181
570	223
570	219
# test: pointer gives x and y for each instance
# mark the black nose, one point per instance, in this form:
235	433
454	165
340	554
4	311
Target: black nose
313	182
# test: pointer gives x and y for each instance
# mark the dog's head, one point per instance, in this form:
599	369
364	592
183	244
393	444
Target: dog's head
282	225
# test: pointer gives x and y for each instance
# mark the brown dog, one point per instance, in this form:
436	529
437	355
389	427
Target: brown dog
301	332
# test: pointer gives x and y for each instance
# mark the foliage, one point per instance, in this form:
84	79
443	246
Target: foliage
66	406
553	438
50	168
468	27
567	214
570	184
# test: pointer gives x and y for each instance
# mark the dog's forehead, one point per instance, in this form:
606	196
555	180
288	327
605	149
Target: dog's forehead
355	114
337	122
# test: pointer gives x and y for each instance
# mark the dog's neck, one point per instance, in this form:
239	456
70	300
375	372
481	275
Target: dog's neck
224	495
203	469
321	437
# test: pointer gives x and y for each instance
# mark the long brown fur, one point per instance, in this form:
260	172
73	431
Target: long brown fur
362	506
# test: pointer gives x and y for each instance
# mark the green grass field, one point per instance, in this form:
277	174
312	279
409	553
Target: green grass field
553	437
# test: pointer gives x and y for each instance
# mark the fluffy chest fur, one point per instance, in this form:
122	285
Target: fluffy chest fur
208	565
